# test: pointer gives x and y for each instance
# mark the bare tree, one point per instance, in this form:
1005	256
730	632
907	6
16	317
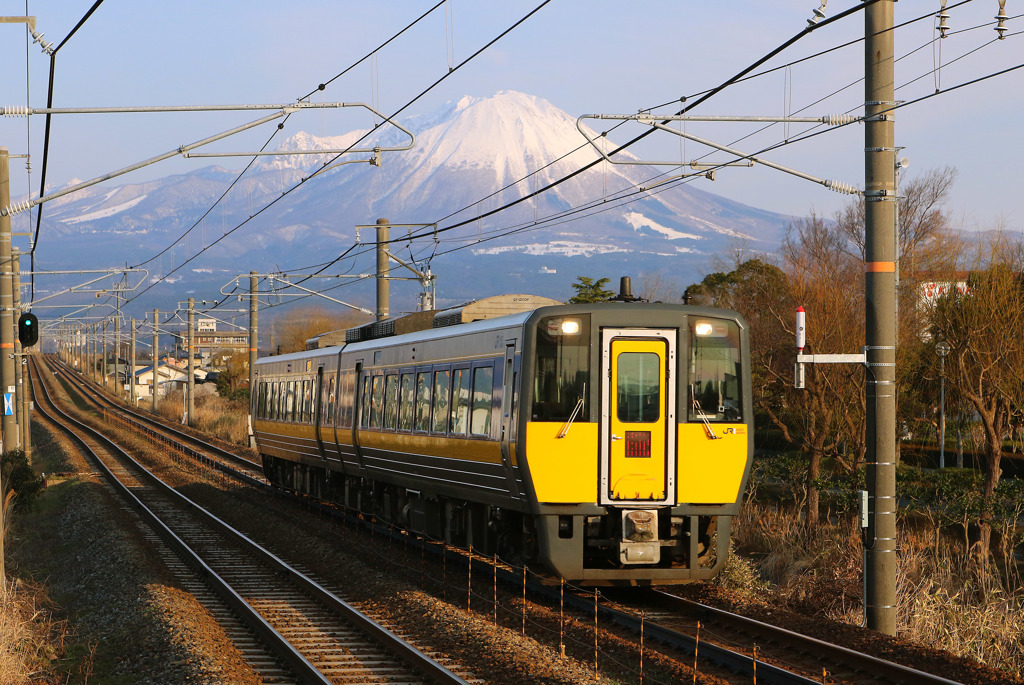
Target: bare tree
299	325
984	327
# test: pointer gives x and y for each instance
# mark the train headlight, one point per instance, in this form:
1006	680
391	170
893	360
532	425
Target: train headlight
703	328
559	326
570	327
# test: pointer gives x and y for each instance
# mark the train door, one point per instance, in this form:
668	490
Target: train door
508	410
638	423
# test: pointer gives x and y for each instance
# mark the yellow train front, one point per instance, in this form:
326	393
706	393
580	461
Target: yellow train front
607	443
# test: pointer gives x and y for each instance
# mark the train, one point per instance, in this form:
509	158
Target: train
608	444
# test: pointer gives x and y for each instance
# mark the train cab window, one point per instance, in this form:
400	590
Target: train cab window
562	368
715	370
391	401
483	386
460	401
422	401
439	420
407	403
377	402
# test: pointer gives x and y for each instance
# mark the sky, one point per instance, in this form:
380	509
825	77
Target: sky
584	57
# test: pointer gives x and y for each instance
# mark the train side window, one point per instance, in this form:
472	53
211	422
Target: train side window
261	399
328	418
289	406
307	403
275	402
313	394
408	402
460	401
282	399
391	401
483	386
439	421
364	404
423	401
346	398
377	402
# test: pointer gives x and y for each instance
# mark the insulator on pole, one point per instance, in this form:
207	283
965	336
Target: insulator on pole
15	111
841	187
839	119
17	207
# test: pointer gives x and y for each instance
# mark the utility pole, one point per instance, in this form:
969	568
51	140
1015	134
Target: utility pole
90	352
191	382
131	370
19	381
253	343
383	269
880	313
118	387
156	355
103	366
8	423
21	366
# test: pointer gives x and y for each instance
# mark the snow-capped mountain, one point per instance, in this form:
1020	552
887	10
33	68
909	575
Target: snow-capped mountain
469	158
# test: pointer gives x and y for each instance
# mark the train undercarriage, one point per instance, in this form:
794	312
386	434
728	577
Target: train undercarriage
589	544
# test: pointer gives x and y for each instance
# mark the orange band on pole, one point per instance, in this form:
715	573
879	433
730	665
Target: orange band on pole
880	267
6	344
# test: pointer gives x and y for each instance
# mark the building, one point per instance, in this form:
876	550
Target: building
169	377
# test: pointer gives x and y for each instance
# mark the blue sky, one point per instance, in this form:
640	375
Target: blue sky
592	57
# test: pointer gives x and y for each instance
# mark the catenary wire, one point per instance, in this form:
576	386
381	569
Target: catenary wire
46	142
299	184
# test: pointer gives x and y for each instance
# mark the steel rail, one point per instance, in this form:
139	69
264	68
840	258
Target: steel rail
391	642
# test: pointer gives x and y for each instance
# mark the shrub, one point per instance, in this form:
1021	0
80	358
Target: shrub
19	478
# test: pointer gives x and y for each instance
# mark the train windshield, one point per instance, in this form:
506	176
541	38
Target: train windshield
715	371
562	368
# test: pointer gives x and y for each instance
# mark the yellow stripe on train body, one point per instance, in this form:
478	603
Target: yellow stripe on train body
711	471
563	470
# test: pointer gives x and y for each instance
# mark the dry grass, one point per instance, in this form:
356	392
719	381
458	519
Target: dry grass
30	638
944	597
216	416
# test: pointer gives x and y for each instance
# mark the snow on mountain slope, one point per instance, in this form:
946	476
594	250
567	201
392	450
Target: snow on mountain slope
471	156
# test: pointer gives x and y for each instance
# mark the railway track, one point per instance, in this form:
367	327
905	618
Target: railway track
311	633
781	656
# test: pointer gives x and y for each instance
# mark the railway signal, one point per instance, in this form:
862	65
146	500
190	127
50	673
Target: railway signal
28	329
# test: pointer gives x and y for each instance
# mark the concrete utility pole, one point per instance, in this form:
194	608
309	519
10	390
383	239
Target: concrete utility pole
19	380
21	366
191	382
156	355
383	269
880	313
131	370
253	341
8	423
103	366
